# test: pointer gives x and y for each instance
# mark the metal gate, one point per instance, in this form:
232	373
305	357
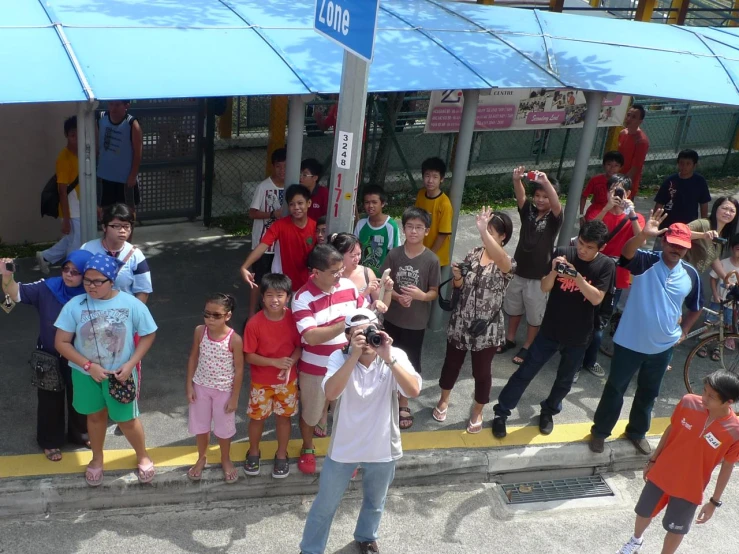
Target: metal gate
171	172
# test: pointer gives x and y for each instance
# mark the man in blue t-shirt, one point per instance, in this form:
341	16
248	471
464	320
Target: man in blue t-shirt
662	283
684	197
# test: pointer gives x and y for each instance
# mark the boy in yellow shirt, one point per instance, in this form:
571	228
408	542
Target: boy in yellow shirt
435	202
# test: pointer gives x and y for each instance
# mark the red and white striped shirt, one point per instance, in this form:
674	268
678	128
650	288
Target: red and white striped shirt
312	308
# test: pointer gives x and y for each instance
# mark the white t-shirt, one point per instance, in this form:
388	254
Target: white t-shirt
728	266
366	426
74	203
267	197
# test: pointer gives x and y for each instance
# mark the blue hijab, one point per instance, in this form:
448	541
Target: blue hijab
56	285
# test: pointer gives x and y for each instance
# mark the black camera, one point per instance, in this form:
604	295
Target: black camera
563	269
10	266
464	268
620	193
373	336
720	240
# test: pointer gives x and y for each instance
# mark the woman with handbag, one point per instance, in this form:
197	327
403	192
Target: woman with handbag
51	372
477	322
96	334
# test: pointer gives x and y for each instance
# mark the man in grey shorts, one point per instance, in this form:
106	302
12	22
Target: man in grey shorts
541	218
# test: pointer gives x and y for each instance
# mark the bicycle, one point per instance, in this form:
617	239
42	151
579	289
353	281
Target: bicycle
714	339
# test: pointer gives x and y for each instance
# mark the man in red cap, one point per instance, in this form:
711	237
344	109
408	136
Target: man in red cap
651	325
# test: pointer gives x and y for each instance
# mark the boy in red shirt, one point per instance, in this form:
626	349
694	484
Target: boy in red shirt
597	187
296	237
703	432
272	348
633	144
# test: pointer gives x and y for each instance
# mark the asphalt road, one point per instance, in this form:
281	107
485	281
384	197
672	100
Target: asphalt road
459	519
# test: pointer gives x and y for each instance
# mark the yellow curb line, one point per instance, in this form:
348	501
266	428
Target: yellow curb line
30	465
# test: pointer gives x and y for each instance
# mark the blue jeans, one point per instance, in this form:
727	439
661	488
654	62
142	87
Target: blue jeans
624	364
335	477
542	349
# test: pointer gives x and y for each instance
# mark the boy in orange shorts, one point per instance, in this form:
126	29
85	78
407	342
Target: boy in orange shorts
272	348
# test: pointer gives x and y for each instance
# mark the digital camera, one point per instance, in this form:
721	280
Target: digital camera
464	268
564	269
373	336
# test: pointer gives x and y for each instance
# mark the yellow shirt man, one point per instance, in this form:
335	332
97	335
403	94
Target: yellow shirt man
441	212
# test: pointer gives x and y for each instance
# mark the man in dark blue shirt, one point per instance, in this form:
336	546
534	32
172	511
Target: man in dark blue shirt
683	195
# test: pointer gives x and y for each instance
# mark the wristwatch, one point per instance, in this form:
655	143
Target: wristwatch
392	361
633	218
716	503
87	366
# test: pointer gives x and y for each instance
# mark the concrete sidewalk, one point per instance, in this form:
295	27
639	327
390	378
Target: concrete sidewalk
188	261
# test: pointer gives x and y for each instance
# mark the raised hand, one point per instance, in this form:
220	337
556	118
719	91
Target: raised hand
483	218
651	228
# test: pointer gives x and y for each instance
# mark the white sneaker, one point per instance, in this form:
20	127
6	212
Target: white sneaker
597	370
43	265
631	547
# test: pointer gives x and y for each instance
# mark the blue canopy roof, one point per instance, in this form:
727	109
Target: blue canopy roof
200	48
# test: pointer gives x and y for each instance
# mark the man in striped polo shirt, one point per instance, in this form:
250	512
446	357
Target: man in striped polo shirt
319	309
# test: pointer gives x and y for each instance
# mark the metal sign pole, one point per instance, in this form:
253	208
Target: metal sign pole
87	170
346	159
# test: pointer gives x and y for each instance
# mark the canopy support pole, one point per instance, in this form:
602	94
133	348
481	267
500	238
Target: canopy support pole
86	154
589	131
459	174
295	124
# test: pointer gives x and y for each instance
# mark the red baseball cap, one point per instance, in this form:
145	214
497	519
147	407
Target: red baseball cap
679	235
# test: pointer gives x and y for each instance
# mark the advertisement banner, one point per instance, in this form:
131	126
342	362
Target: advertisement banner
521	109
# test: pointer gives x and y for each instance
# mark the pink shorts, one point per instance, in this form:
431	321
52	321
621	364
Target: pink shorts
210	407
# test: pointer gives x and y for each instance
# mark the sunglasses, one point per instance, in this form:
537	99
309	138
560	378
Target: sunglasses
214	315
71	272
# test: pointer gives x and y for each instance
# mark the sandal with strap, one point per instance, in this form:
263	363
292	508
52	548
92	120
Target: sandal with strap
407	419
195	473
230	477
146	473
716	354
521	355
94	476
702	352
474	428
439	415
53	454
320	430
506	346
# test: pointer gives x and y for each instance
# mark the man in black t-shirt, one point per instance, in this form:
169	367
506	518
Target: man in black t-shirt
541	218
579	279
683	196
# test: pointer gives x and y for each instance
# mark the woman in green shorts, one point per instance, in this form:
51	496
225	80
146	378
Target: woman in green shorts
95	333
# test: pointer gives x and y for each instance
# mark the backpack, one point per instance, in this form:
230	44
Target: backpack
50	196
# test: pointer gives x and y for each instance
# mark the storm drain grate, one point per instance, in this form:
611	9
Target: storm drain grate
556	489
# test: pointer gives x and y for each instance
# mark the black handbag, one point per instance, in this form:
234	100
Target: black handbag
124	392
46	373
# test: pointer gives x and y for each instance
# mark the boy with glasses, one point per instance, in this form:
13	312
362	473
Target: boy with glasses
416	272
319	308
311	172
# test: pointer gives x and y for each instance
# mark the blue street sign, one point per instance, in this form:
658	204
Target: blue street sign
350	23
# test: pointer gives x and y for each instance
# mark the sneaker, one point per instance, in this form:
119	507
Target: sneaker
281	468
642	445
251	465
43	265
499	430
597	370
632	547
546	424
369	547
597	444
576	377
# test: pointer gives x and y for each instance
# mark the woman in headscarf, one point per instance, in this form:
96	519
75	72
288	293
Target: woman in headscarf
48	296
96	334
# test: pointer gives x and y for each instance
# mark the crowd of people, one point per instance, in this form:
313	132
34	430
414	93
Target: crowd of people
336	326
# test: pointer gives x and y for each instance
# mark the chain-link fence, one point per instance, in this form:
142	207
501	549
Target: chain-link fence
396	145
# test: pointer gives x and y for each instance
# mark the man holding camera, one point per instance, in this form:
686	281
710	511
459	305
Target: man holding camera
662	283
364	378
578	282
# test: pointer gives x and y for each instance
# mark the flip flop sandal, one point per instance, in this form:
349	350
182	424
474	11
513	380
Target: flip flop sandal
146	473
320	430
702	352
504	347
94	476
439	415
474	428
521	355
50	454
716	354
195	475
403	418
230	477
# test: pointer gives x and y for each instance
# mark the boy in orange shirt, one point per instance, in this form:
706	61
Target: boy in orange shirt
434	201
597	187
272	348
703	432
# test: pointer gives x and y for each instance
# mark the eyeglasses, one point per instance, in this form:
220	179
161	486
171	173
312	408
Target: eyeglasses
94	282
70	271
307	175
338	273
214	315
415	228
118	227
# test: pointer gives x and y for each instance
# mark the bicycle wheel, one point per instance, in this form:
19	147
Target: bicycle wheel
606	345
696	368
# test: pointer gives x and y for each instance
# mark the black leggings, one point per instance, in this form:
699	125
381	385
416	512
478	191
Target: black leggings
482	370
409	341
52	428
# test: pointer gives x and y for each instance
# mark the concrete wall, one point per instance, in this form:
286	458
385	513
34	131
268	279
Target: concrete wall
31	136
